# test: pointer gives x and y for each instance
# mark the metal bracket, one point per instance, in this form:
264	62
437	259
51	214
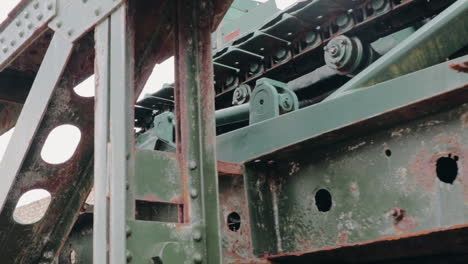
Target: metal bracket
76	17
271	98
21	31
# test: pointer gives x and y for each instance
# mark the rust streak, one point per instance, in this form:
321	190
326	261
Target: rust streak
460	67
229	168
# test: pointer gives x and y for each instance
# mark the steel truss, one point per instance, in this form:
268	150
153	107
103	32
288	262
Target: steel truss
158	207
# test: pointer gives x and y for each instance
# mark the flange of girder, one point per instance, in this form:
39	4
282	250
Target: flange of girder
21	31
76	17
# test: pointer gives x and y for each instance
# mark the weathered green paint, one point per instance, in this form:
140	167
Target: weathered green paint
162	132
265	137
196	135
433	43
368	177
145	236
269	99
233	114
162	185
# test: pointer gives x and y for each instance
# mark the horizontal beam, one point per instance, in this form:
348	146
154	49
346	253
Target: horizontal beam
311	122
431	44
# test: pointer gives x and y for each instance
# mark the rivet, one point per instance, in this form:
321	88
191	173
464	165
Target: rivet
26	15
18	23
36	5
39	17
192	165
13	43
5	50
58	24
2	40
129	256
70	32
193	193
21	34
97	12
128	231
84	1
30	26
197	235
197	258
49	6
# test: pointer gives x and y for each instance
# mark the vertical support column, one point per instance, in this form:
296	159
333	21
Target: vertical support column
194	94
121	131
101	140
114	142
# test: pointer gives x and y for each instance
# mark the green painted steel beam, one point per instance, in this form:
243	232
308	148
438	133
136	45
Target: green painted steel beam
196	135
286	130
431	44
233	114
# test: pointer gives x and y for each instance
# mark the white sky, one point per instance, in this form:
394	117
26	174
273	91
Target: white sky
62	143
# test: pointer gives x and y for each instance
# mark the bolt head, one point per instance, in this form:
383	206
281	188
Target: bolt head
129	256
193	193
192	165
197	258
128	231
197	235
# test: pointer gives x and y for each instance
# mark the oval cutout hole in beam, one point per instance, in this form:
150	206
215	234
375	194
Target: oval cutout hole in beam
32	206
61	144
85	88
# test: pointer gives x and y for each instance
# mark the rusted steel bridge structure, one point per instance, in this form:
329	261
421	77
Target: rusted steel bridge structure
336	131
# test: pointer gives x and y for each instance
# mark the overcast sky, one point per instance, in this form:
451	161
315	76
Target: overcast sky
61	144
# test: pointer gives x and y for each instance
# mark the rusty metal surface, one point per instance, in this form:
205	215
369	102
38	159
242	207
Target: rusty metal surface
42	240
237	244
444	245
385	185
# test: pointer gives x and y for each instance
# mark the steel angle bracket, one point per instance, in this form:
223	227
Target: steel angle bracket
76	17
21	31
